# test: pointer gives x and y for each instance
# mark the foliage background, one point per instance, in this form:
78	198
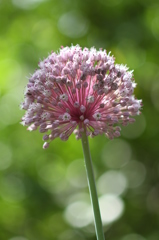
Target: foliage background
43	194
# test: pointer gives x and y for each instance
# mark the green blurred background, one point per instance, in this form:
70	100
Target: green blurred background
43	193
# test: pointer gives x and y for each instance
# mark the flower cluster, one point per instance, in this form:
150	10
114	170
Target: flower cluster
78	90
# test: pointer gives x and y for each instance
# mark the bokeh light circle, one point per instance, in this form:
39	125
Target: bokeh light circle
73	24
76	174
136	129
135	173
113	182
133	236
79	214
111	207
116	153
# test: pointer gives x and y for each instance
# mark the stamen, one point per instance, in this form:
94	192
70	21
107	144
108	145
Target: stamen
66	117
90	99
97	116
64	97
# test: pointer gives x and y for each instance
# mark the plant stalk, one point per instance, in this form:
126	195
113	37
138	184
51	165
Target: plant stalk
92	187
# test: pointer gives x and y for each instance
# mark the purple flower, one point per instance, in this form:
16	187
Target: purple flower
78	90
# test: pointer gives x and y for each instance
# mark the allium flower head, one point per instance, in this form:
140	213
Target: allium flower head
78	90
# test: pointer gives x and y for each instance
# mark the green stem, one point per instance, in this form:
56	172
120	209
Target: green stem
92	188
